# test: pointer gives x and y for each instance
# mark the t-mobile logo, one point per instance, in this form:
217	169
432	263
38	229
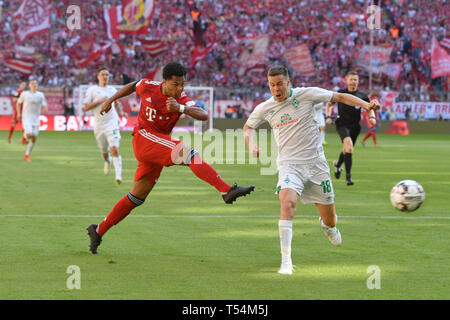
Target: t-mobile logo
150	113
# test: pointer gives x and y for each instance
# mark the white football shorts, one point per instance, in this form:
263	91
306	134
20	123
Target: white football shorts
107	138
312	181
30	127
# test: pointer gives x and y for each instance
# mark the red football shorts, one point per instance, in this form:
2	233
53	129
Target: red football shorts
153	151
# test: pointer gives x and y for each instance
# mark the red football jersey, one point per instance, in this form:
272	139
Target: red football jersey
16	96
153	113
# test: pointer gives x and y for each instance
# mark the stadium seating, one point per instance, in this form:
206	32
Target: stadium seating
333	30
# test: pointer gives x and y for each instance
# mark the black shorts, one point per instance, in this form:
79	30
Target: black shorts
349	131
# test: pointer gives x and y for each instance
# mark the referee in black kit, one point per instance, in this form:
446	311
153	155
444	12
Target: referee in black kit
347	125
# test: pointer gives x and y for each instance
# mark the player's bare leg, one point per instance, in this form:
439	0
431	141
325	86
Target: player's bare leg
140	190
288	206
370	133
117	162
328	221
11	130
187	156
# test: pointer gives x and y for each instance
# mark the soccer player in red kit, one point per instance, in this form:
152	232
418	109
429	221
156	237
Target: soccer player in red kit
162	103
17	110
372	129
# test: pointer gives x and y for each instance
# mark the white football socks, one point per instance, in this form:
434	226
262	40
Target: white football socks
117	161
285	229
29	148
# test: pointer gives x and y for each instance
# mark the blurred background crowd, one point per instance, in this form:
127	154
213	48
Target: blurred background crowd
334	30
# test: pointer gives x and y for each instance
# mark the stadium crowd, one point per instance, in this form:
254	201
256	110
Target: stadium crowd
333	30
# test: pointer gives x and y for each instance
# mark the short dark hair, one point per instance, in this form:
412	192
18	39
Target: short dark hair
277	70
173	69
101	69
352	73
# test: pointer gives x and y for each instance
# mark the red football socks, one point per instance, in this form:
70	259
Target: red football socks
120	211
11	131
366	137
374	138
368	134
207	173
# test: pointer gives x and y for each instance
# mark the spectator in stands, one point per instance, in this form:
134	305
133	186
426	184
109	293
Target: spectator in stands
384	115
333	30
229	112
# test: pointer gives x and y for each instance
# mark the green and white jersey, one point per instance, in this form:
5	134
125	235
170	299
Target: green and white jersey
109	120
32	104
292	120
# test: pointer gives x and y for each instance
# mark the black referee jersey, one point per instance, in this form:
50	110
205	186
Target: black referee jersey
349	116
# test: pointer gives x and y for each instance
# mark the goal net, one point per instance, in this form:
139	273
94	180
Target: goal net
203	96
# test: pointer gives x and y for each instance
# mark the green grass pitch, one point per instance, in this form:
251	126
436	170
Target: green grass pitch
185	243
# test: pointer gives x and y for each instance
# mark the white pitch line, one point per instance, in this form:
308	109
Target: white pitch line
214	216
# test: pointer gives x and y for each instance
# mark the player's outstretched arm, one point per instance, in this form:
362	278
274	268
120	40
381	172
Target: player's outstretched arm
126	90
352	100
249	134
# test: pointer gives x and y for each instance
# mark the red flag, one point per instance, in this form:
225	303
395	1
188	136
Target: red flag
33	17
94	55
81	47
299	58
132	17
252	59
440	60
380	56
112	17
154	47
393	70
190	3
154	74
23	66
445	43
199	54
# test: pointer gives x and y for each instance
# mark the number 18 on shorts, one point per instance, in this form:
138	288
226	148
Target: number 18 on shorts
311	181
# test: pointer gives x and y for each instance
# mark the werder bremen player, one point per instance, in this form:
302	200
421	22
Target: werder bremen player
303	171
106	127
33	102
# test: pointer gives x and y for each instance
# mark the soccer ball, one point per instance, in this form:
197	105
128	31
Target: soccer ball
407	195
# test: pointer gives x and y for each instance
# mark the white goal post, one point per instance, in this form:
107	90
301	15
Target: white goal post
79	93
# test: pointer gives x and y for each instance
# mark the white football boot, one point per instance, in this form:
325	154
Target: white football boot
333	234
286	267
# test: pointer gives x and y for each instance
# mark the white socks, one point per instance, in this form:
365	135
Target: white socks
29	148
117	161
285	229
